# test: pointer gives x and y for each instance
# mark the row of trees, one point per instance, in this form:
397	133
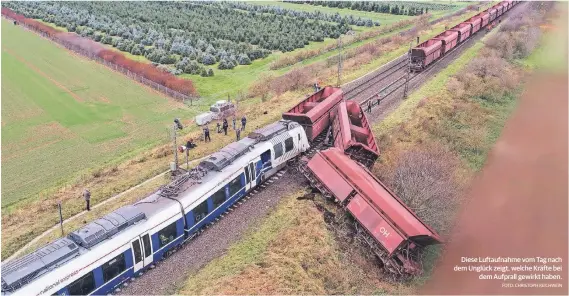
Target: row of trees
395	7
168	32
317	15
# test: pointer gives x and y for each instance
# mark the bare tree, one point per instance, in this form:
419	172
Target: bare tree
424	179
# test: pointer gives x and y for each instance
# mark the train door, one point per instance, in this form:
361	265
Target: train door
141	252
251	175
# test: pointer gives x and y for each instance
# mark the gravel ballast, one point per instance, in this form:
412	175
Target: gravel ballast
171	273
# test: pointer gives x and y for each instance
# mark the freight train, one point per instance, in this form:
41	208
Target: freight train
102	255
428	52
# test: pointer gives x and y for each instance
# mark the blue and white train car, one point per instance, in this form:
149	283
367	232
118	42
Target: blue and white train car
97	258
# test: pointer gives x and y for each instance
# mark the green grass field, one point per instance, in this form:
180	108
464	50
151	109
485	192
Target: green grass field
63	115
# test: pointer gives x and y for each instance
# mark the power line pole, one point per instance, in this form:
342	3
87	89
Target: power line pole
175	131
340	47
408	71
177	126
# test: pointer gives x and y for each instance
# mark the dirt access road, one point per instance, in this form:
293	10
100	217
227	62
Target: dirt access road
518	204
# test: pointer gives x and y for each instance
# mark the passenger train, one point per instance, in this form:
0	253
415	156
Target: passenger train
107	252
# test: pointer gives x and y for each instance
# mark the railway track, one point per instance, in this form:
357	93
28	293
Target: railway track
383	74
384	86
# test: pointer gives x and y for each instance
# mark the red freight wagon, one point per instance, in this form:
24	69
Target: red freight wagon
425	53
314	112
449	39
352	133
504	7
395	227
492	12
475	21
463	30
485	18
499	9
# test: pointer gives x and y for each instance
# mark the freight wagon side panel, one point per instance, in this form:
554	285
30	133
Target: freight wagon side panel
463	31
380	197
375	224
475	25
313	113
362	141
492	12
449	39
485	19
327	174
341	127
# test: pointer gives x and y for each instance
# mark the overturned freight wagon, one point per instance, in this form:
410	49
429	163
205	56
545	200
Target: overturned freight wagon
352	133
314	112
394	232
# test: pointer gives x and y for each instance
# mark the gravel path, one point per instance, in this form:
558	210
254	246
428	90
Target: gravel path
212	243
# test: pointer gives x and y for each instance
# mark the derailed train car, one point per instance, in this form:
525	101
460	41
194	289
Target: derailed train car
351	133
428	52
395	233
314	112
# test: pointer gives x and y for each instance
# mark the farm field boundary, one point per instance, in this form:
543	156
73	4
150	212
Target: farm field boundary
22	21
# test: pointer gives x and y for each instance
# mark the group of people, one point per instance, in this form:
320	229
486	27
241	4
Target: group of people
224	127
369	103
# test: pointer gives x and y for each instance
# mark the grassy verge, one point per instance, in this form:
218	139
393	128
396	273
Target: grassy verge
290	252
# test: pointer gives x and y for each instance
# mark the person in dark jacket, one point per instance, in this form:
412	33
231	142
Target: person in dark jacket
238	134
206	134
369	106
243	122
87	197
190	144
234	120
225	126
218	128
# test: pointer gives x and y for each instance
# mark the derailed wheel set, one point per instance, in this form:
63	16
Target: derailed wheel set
428	52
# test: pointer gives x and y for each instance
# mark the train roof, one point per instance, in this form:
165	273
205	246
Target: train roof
95	237
232	158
